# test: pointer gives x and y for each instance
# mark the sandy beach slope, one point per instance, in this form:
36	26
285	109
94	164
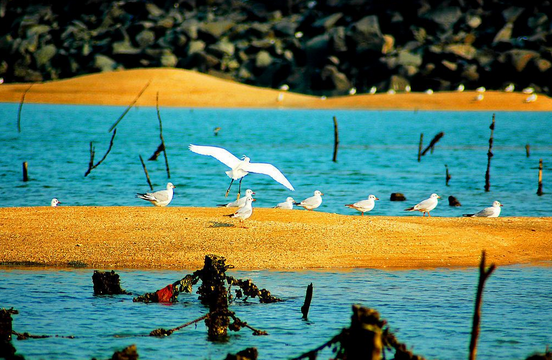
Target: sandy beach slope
184	88
180	237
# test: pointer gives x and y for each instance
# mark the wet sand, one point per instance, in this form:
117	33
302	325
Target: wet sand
179	238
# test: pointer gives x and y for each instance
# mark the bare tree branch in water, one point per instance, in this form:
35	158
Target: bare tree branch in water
91	165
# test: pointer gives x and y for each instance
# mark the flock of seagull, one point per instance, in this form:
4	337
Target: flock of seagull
240	168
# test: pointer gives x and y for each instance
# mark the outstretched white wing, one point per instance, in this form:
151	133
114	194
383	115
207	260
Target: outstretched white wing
222	155
270	170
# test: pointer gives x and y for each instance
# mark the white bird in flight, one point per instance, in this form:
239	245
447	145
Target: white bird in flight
364	205
426	206
244	212
313	202
159	198
240	168
493	211
55	202
288	204
240	202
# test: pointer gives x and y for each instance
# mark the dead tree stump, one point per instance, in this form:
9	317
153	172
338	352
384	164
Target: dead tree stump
6	324
107	283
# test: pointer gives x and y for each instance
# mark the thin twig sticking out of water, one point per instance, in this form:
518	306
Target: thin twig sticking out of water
162	146
91	165
129	107
146	172
483	276
21	107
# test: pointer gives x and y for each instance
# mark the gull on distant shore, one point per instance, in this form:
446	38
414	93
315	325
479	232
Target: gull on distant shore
55	202
364	205
479	97
426	206
288	204
493	211
510	88
159	198
528	90
429	91
240	168
481	89
240	202
531	98
460	88
313	202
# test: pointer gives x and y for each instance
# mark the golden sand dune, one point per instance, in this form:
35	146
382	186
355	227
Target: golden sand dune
184	88
180	237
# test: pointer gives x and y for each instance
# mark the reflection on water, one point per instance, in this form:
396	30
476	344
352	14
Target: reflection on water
377	155
430	311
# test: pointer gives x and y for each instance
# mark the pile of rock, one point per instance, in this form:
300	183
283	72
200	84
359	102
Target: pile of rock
326	47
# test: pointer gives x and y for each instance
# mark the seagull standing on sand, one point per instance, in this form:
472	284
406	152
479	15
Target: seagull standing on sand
55	202
426	206
244	212
288	204
313	202
240	202
240	168
364	205
493	211
159	198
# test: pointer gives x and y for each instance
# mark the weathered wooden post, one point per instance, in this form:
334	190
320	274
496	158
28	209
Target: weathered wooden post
447	176
25	172
420	147
489	156
539	189
483	276
306	305
336	139
527	150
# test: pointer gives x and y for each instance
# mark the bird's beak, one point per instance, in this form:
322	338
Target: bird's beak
254	200
321	193
253	193
501	205
438	197
377	198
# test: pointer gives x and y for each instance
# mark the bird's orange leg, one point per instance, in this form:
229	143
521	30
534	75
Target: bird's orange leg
227	191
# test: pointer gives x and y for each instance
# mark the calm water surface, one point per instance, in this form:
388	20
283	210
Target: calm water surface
429	310
377	155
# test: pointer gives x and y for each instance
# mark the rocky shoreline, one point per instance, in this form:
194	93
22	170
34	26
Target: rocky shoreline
320	48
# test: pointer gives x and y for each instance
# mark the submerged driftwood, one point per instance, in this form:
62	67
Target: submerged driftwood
366	338
214	294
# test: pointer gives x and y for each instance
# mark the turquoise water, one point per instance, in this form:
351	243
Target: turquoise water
377	155
429	310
